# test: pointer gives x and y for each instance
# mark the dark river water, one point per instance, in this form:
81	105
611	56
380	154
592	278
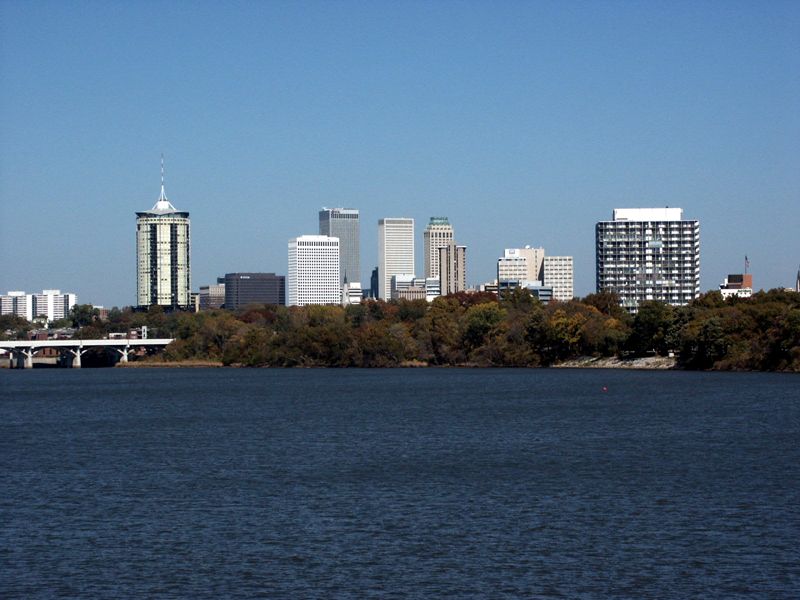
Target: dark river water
399	483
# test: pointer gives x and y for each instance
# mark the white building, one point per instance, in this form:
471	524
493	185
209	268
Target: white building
395	251
53	304
50	304
648	254
521	265
163	274
558	275
313	275
437	234
17	303
351	293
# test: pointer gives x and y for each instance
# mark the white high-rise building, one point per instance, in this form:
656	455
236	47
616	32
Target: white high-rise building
438	234
648	254
50	304
17	303
163	274
53	304
558	275
313	275
395	251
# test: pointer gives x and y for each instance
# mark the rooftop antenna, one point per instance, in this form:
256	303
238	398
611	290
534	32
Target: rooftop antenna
163	195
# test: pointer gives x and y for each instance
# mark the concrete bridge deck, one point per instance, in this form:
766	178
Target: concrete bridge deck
23	351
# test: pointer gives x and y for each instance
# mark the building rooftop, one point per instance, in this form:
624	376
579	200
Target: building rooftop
648	214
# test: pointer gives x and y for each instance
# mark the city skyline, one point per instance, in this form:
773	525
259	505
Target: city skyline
524	124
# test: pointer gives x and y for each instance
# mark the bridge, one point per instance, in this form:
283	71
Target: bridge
21	352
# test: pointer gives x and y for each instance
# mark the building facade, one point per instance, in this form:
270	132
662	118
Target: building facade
648	254
738	285
437	234
242	289
163	273
343	223
558	275
521	265
452	269
212	296
53	304
17	303
50	304
395	251
313	276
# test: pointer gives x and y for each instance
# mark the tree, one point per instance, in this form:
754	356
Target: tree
83	314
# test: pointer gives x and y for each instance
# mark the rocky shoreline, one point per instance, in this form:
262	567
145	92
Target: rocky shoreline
593	362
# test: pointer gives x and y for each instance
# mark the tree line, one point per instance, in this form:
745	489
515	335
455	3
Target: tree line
476	329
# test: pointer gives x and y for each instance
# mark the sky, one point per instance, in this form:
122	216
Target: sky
523	122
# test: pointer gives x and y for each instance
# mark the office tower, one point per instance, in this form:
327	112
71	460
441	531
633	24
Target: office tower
521	265
53	304
212	296
343	223
17	303
313	276
437	234
242	289
737	285
648	254
162	254
395	251
373	283
559	276
452	269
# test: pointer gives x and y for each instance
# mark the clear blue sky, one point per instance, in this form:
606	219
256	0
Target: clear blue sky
523	122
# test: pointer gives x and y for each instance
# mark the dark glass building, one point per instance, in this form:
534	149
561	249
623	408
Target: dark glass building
242	289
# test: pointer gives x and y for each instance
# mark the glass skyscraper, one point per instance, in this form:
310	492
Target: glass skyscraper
343	223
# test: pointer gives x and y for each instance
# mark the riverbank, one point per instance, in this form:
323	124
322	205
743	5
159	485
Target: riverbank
169	364
613	362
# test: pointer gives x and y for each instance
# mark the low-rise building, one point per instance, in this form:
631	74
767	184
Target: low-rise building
737	285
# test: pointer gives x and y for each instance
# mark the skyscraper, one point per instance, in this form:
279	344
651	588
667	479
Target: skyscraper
163	274
343	223
648	254
559	276
437	234
452	268
395	251
313	275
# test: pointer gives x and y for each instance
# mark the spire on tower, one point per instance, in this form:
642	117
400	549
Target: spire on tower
163	195
162	204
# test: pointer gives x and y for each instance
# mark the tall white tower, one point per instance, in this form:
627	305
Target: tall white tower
395	252
313	274
163	274
648	254
438	234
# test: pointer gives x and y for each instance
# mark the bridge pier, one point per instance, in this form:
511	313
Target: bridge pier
123	353
28	354
76	356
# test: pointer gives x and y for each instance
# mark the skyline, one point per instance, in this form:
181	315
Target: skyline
525	125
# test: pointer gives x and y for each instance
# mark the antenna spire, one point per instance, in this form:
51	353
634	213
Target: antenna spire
163	195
